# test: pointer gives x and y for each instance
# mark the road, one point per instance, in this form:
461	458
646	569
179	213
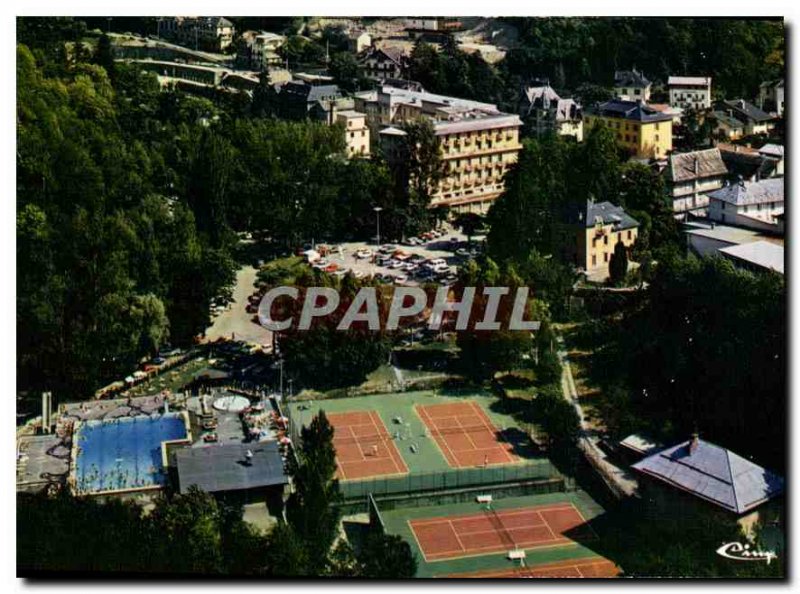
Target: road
235	322
618	479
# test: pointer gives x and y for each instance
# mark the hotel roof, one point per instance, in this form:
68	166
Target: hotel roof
713	473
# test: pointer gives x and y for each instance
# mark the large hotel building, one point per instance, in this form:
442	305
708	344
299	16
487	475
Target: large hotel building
479	143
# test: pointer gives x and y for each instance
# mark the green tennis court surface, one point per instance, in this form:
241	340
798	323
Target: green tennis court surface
573	542
420	445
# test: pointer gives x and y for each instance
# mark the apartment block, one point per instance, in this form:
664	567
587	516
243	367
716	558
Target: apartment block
690	92
478	142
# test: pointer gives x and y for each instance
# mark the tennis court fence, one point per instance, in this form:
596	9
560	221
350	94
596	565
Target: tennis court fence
457	478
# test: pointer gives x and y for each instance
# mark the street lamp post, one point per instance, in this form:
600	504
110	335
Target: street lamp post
378	210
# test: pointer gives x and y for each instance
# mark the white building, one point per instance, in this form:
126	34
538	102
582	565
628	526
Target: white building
205	33
545	112
690	92
690	177
358	41
259	49
356	132
632	85
756	205
771	96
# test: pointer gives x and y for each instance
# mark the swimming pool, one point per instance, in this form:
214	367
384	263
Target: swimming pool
124	454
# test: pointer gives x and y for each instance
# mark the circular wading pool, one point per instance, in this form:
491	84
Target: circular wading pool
232	403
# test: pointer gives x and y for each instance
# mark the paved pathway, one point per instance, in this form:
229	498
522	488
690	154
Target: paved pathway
235	322
618	479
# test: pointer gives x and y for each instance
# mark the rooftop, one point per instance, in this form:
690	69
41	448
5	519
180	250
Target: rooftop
713	473
766	190
641	444
732	235
689	80
742	109
630	110
630	78
696	165
761	253
217	468
607	214
772	150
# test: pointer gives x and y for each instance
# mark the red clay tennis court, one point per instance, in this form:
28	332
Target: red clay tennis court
491	531
465	434
364	447
590	567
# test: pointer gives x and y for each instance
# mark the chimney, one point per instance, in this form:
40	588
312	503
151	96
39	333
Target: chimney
693	443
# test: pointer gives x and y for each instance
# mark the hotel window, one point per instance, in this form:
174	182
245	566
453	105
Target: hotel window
594	260
605	240
605	257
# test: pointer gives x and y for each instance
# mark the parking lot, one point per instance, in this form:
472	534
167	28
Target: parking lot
433	259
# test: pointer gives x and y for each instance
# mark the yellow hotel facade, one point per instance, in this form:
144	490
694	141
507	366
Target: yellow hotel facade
639	128
478	142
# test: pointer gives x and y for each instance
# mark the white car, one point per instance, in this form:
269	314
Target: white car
401	278
395	264
362	254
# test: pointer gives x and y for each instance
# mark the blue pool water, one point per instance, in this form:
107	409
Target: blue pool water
124	453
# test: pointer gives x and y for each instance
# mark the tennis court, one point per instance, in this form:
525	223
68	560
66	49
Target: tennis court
591	567
492	531
465	435
364	447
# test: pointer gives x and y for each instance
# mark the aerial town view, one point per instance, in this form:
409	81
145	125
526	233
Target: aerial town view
401	297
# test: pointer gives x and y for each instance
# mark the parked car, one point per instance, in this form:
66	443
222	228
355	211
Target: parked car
363	253
394	264
401	278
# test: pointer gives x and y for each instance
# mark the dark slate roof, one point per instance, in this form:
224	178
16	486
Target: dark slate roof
606	213
696	165
759	192
630	78
744	111
713	473
304	92
217	468
630	110
724	118
746	163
